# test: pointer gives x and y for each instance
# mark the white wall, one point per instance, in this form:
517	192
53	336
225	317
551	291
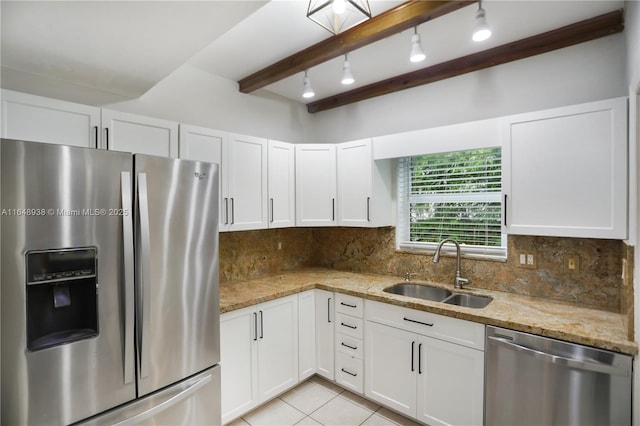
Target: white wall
192	96
586	72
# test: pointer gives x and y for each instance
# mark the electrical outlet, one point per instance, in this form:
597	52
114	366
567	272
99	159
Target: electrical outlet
573	263
527	259
279	245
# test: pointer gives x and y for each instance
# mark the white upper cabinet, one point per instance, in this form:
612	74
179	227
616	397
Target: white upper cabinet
203	144
139	134
34	118
281	169
247	172
316	189
364	186
565	171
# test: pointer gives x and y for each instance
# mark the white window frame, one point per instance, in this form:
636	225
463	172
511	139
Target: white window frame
403	226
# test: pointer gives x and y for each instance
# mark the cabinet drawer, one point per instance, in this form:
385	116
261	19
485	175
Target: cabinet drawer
349	372
349	305
450	329
349	345
349	325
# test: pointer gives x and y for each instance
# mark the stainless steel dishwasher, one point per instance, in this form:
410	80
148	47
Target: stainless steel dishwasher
533	380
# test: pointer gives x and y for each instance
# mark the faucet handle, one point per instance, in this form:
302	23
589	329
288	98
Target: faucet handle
407	276
459	282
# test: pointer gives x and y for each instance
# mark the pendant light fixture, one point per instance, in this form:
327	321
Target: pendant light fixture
417	54
347	76
482	30
307	90
337	16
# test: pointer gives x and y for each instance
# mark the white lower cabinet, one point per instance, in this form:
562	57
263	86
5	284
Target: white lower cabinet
306	334
349	330
430	379
259	354
325	320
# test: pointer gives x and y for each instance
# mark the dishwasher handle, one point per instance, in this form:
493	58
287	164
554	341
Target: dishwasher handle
557	359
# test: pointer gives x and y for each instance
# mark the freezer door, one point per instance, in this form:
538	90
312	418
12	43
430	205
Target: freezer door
64	298
176	270
194	401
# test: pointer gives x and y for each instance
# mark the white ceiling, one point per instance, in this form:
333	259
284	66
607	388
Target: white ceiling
126	47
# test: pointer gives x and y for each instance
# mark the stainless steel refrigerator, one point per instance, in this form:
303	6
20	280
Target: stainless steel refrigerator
109	287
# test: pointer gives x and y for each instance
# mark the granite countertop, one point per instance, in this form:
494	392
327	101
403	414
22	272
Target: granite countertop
535	315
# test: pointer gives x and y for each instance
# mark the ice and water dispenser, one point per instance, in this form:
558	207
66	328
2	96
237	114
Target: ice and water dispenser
62	296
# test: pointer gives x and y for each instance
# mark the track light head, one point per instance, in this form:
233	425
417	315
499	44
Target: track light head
307	90
417	54
482	30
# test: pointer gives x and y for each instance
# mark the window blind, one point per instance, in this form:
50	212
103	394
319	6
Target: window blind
452	195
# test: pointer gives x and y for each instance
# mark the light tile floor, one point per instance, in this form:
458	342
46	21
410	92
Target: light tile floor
320	402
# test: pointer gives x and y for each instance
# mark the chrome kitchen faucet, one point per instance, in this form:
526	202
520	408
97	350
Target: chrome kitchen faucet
458	281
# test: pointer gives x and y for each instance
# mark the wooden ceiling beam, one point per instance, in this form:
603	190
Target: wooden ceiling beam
569	35
407	15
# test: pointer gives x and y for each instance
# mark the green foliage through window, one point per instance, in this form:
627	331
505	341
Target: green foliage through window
452	195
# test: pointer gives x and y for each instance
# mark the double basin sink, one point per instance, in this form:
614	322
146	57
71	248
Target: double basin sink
437	294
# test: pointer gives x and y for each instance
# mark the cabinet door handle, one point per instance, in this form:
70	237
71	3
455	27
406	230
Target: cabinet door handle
233	211
413	351
261	325
95	132
355	348
348	305
353	327
328	309
368	209
420	358
333	209
271	199
505	209
418	322
106	138
348	372
255	326
226	211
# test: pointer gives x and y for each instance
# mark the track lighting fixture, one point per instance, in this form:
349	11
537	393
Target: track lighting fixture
482	30
307	90
417	54
347	76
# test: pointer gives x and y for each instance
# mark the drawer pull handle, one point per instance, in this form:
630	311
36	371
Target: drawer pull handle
348	305
418	322
349	346
353	327
348	372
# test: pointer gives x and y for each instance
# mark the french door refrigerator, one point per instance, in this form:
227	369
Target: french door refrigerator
109	287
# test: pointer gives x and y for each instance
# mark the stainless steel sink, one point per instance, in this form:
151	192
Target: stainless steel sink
437	294
421	291
468	300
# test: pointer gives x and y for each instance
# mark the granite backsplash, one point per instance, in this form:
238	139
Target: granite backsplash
598	283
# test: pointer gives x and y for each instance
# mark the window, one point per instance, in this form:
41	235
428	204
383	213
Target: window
452	195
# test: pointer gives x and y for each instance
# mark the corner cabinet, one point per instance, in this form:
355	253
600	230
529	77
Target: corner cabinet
38	119
364	186
565	171
316	189
425	366
258	354
139	134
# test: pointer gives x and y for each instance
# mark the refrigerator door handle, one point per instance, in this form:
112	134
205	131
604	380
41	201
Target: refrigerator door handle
138	418
144	282
127	240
